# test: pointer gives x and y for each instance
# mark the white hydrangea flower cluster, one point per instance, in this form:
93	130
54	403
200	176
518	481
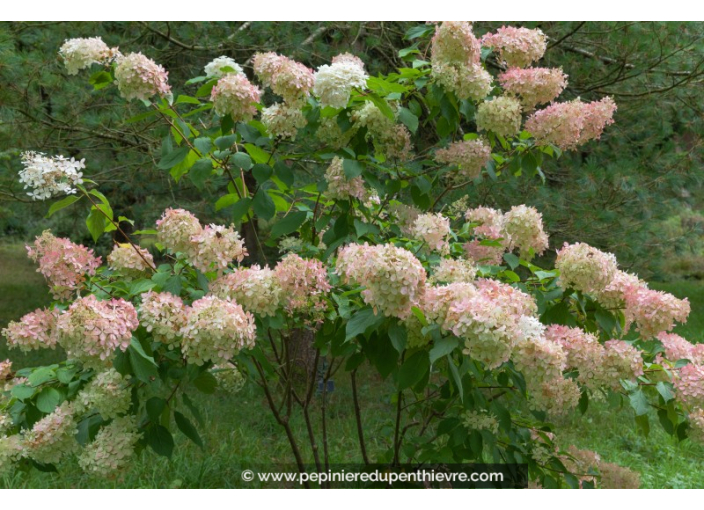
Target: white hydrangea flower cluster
124	258
454	271
163	315
112	450
139	77
334	83
523	226
50	176
10	452
390	139
393	277
81	53
256	289
216	330
480	420
502	115
216	68
108	393
283	120
434	230
585	268
470	156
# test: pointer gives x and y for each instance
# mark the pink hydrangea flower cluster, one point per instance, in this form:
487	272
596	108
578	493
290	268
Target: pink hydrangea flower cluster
534	86
305	285
209	249
677	348
124	258
334	83
568	125
585	268
393	278
63	264
163	315
502	115
5	369
215	247
108	393
112	450
287	78
283	120
689	385
614	294
454	271
50	176
517	46
598	365
489	229
437	300
542	363
654	311
256	289
216	330
342	188
81	53
523	227
235	96
52	437
470	81
176	228
139	77
434	230
390	139
469	156
35	330
405	216
489	328
91	330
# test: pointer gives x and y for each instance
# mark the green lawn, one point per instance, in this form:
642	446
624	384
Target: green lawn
240	431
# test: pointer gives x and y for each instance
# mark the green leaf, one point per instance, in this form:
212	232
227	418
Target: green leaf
257	154
194	410
382	105
398	336
100	79
639	402
512	261
41	375
155	406
361	321
559	314
187	428
262	172
263	205
413	370
240	209
352	168
284	173
665	390
173	158
48	399
160	440
456	377
242	160
186	99
226	201
95	223
143	365
408	119
225	142
200	171
289	223
22	392
442	347
206	382
381	354
61	204
203	144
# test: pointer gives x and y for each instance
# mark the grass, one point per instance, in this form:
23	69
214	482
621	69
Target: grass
240	432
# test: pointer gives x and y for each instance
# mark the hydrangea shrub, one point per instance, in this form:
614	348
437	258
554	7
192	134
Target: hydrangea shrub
484	345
